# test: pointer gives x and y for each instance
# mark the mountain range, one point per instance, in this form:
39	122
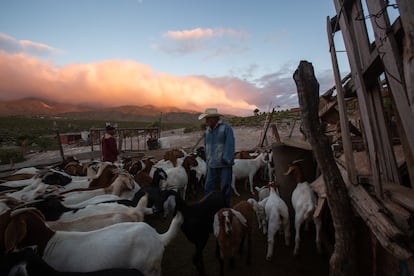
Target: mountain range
38	107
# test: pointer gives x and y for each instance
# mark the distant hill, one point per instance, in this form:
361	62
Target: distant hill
36	107
147	113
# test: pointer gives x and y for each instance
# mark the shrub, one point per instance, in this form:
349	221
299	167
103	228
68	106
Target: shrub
8	156
44	143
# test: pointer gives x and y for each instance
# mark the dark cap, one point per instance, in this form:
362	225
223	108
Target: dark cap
109	127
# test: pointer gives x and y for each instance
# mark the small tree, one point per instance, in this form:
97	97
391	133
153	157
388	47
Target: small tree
256	111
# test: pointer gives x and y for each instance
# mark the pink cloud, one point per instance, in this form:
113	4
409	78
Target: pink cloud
112	83
199	33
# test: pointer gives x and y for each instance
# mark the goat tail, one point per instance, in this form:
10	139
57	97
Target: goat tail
309	211
172	231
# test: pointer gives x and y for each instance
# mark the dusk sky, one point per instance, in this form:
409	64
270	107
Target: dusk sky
191	54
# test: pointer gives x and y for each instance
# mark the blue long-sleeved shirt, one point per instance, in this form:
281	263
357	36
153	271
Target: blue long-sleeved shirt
219	145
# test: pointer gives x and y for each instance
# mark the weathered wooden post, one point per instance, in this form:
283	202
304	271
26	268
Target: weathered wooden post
342	261
60	144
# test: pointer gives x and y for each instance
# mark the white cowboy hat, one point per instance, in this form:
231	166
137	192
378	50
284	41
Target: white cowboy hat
210	112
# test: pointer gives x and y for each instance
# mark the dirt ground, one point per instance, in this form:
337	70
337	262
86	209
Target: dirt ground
178	255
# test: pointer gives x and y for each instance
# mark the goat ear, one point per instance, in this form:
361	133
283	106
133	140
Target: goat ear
216	225
15	232
240	217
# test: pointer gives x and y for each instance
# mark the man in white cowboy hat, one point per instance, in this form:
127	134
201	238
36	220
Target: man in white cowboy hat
219	148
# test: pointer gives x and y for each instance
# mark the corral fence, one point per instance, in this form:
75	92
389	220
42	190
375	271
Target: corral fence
129	140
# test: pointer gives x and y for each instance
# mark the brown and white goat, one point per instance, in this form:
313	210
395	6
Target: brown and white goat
231	227
106	174
72	166
172	155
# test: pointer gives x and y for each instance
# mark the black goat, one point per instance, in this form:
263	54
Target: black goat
153	191
198	221
54	177
51	207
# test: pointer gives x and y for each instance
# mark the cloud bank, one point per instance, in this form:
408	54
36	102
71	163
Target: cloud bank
126	82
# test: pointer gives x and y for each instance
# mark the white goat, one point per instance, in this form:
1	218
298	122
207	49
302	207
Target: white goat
260	213
95	200
123	245
36	189
304	203
102	209
99	219
247	168
78	182
18	183
262	192
277	215
27	262
177	177
123	186
28	170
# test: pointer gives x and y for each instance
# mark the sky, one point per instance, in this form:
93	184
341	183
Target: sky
192	54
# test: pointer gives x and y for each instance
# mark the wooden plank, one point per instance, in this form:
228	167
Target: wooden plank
380	225
363	164
406	8
392	66
263	134
360	31
345	134
400	194
318	186
346	22
402	218
386	153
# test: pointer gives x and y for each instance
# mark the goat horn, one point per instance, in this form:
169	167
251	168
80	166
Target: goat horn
22	210
289	170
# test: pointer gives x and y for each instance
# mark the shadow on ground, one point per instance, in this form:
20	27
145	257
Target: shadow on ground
178	255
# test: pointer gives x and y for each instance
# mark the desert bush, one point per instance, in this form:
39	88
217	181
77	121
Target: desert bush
8	156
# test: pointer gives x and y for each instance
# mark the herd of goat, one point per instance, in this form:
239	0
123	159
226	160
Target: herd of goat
89	218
